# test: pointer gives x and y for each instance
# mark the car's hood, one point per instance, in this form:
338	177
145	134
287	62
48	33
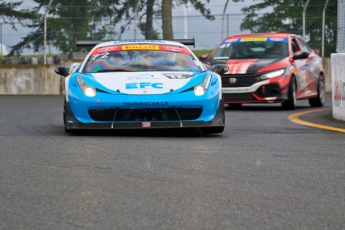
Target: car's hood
250	66
145	82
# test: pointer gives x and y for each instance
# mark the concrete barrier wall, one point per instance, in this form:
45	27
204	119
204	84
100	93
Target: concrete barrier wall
338	85
30	79
41	79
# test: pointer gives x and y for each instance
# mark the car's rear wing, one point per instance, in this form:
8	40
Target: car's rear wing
79	43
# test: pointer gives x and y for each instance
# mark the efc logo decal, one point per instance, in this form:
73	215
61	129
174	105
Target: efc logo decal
144	85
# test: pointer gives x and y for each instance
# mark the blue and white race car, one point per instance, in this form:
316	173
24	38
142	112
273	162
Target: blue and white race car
142	84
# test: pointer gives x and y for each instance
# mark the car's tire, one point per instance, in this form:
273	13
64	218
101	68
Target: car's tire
67	130
211	130
290	104
320	99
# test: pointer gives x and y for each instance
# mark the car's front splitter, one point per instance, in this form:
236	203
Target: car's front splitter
73	123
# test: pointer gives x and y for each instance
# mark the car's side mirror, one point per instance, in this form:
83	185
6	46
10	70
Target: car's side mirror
203	57
220	68
62	70
300	55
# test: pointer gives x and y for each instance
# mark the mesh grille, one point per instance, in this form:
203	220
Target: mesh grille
165	114
241	80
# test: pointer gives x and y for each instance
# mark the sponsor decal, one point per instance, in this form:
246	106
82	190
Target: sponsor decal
339	93
235	90
140	47
146	124
292	69
142	77
173	48
106	49
232	40
177	75
146	103
253	39
278	39
144	85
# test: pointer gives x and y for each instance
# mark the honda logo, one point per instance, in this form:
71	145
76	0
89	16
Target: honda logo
232	80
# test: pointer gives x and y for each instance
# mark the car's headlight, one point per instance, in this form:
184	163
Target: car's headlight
203	86
273	74
87	90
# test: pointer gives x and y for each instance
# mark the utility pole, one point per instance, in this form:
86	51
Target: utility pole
45	33
323	29
223	18
304	10
1	39
135	19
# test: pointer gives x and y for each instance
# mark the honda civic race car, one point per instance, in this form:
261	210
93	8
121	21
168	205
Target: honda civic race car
269	67
142	84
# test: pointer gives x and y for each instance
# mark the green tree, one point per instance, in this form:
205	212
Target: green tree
286	16
68	21
10	14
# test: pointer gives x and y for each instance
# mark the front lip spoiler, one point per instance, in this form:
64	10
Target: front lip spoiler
73	123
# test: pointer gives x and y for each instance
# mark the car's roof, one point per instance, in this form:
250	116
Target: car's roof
274	35
127	42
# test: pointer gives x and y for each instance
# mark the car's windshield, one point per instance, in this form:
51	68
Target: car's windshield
141	60
252	48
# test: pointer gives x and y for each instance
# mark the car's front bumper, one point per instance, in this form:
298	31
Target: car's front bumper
218	120
260	92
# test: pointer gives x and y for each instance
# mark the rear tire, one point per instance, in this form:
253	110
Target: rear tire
320	99
290	104
211	130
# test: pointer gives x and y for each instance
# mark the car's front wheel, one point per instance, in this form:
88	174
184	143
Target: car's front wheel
320	99
67	130
290	104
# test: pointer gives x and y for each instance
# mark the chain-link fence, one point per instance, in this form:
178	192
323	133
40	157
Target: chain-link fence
77	20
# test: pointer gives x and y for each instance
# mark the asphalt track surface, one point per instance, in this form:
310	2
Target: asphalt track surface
264	172
319	118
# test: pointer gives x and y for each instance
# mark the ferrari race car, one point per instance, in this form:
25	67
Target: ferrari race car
142	84
269	67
